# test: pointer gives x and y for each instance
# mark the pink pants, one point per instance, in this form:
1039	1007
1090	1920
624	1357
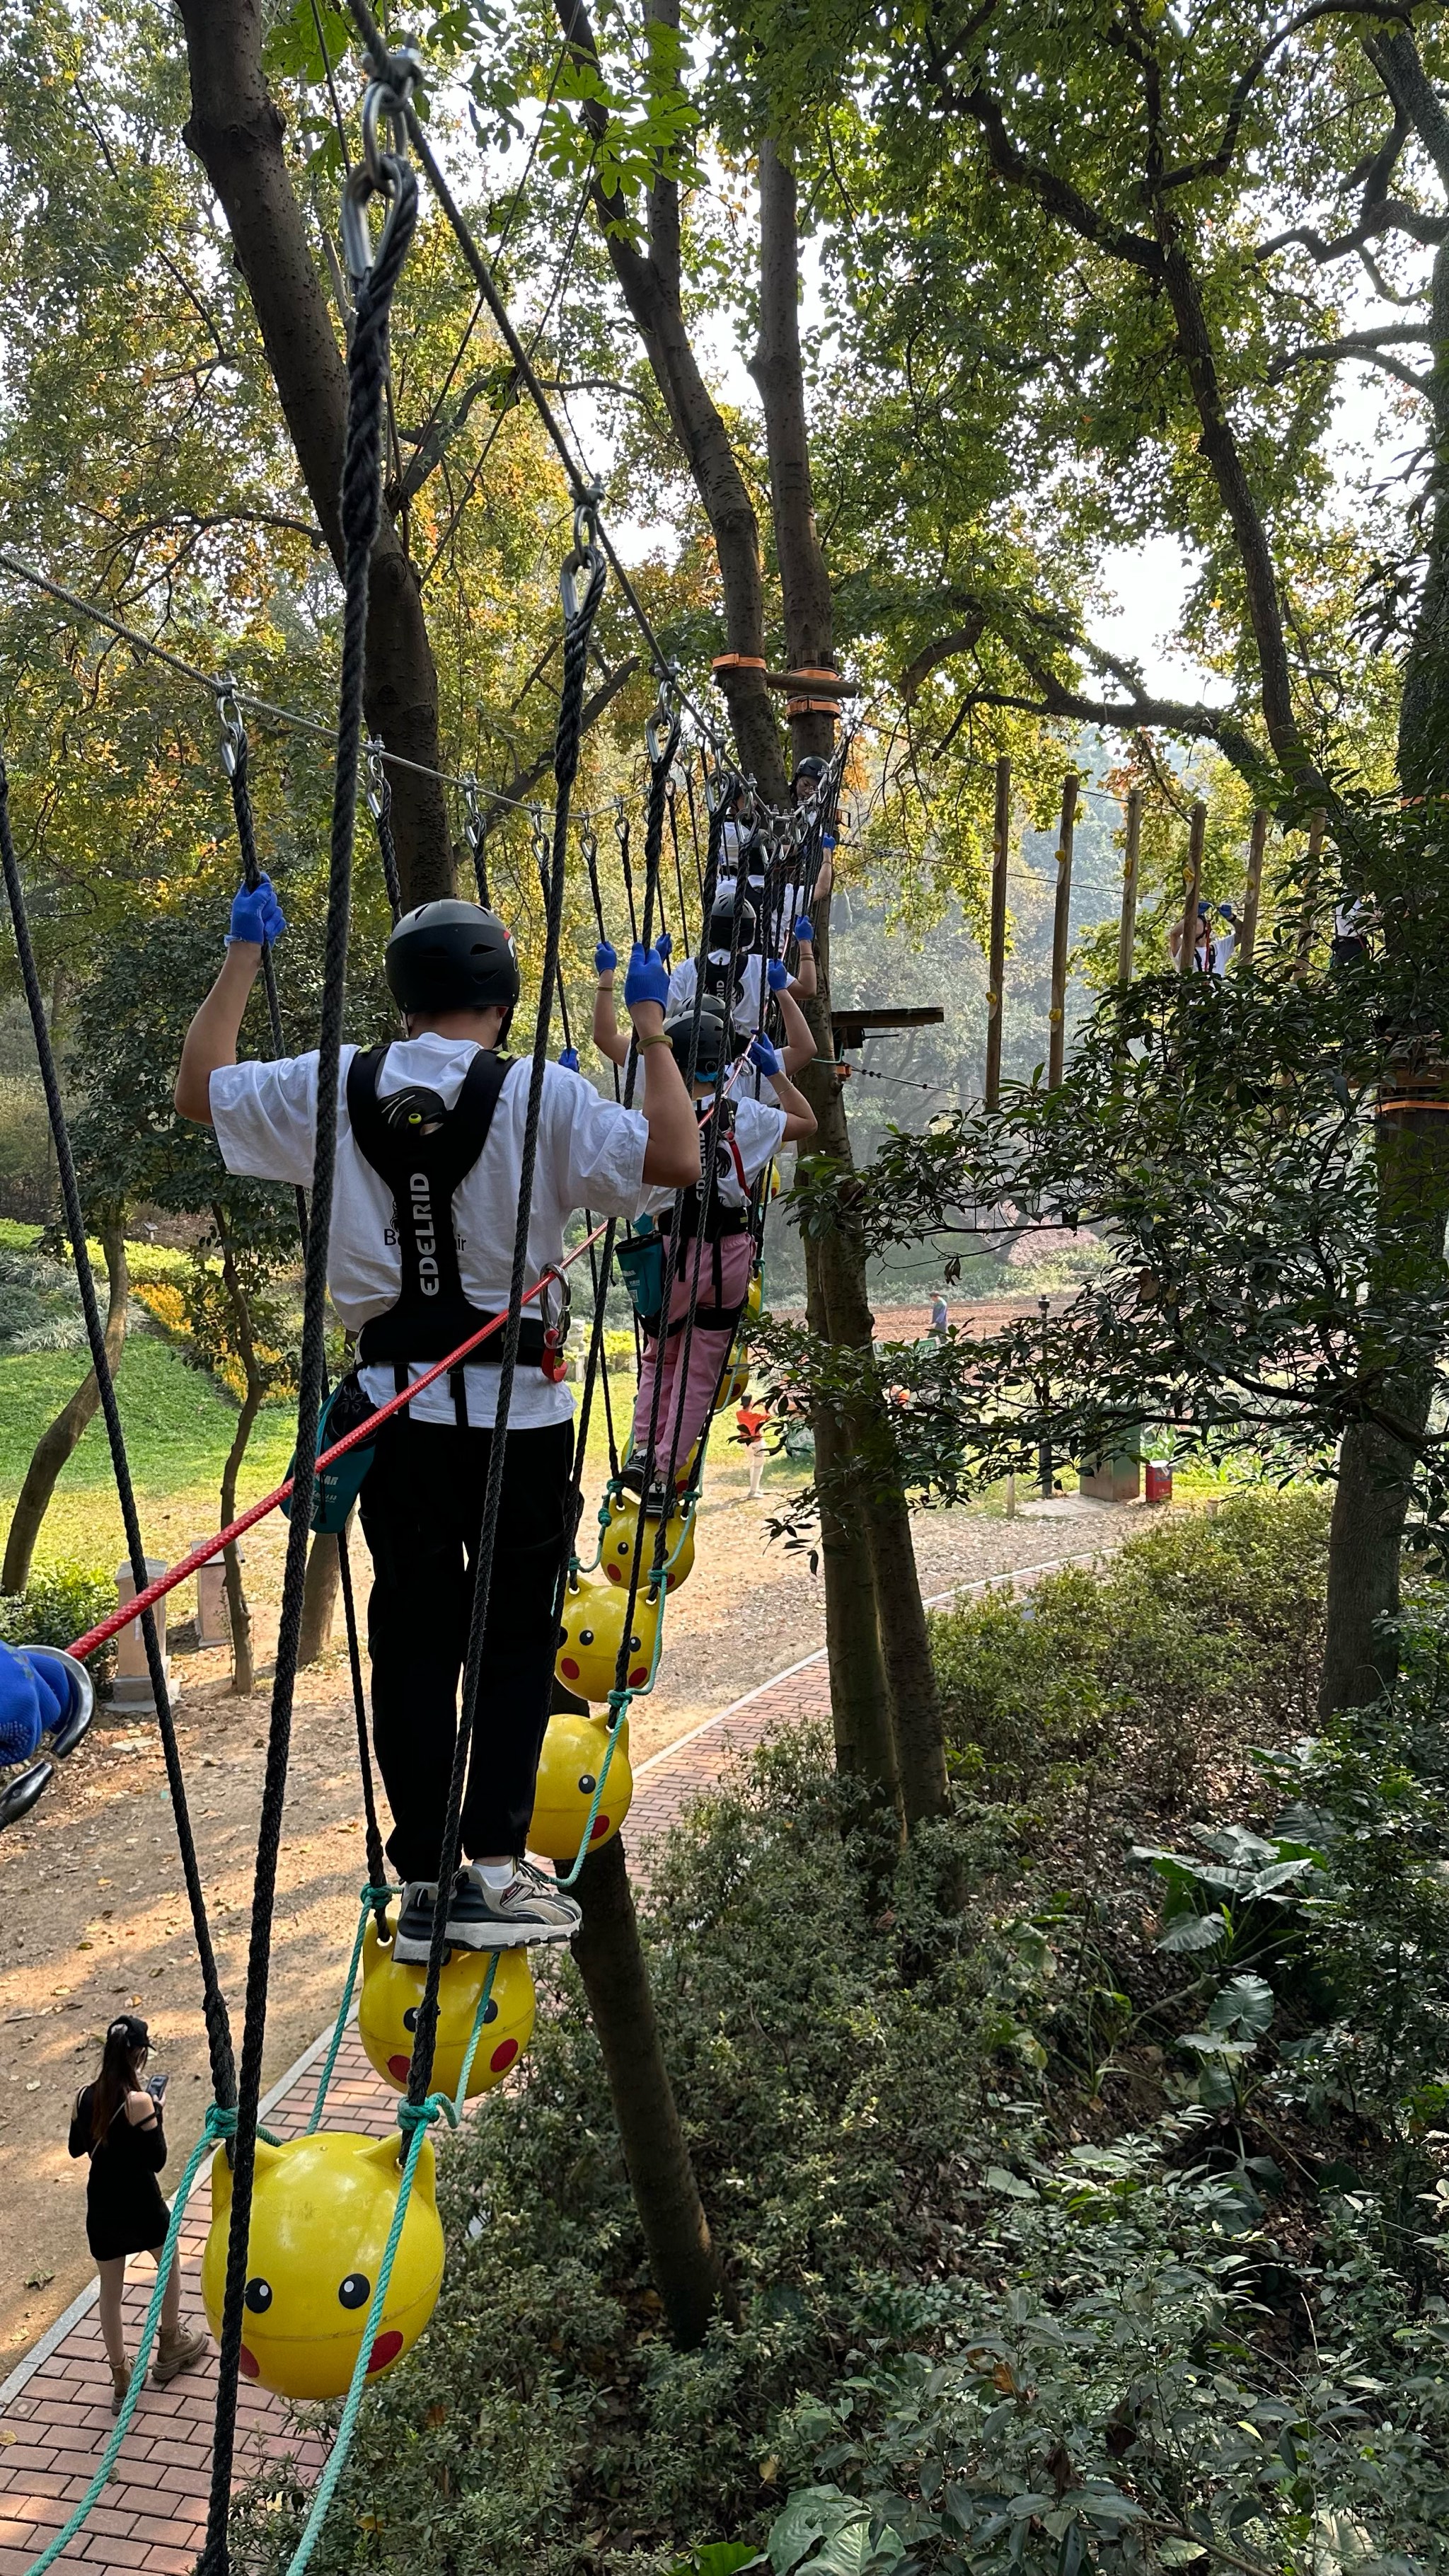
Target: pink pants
689	1405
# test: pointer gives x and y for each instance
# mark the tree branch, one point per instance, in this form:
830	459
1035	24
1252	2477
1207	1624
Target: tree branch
944	649
1363	345
523	782
1213	164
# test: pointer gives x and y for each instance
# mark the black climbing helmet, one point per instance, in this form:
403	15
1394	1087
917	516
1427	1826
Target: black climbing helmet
712	1050
733	927
811	767
451	956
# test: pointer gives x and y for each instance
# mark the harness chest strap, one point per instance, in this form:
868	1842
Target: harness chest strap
423	1162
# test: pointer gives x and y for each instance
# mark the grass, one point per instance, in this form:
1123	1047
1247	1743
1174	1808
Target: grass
179	1426
145	1261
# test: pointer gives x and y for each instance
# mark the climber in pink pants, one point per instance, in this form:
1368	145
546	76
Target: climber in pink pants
740	1137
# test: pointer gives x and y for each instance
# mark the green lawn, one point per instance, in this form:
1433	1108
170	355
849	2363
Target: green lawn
179	1427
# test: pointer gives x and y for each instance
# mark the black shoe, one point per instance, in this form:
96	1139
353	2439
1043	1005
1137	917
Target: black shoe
631	1474
413	1942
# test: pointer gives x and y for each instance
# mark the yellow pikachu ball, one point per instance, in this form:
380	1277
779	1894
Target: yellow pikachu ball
591	1631
321	2210
568	1774
616	1547
736	1381
392	1990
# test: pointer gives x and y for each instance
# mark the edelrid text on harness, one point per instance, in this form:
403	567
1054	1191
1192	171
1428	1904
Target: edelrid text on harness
423	1152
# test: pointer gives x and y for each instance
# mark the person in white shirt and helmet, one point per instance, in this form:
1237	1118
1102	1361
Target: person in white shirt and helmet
425	1202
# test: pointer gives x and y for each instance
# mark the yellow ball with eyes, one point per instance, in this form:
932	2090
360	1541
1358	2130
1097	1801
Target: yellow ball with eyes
574	1751
616	1545
321	2211
737	1376
392	1990
591	1632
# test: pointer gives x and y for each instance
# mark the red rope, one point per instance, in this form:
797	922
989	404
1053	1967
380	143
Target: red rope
201	1555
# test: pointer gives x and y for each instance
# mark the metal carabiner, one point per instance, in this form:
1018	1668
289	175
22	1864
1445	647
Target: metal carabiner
585	554
554	1363
233	730
378	173
473	828
379	786
542	845
666	715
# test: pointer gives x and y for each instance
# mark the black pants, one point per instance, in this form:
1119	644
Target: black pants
421	1506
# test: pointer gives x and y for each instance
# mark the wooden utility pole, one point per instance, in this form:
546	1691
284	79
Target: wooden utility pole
1192	874
1248	938
1061	925
996	961
1127	932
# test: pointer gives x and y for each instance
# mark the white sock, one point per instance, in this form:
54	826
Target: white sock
497	1874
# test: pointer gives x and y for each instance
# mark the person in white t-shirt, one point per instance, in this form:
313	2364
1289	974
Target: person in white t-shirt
430	1133
612	1041
741	1137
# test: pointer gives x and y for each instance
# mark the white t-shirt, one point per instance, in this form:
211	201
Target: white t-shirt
590	1154
759	1130
748	1011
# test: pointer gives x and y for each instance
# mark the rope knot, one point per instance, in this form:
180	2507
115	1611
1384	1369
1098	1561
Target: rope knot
220	2120
421	2115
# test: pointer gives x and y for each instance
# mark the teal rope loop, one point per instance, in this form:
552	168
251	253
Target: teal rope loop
480	2016
219	2124
370	1898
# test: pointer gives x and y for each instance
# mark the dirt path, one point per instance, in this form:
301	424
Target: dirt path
95	1915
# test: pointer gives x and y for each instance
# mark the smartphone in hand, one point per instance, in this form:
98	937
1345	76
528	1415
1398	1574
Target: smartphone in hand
156	2086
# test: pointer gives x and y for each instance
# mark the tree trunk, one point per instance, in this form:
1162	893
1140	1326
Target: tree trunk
860	1714
56	1445
1376	1469
884	1554
650	285
610	1958
236	129
319	1597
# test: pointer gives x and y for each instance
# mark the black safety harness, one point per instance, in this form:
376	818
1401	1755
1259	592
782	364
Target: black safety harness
423	1152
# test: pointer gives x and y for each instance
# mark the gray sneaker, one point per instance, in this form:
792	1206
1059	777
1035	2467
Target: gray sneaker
530	1908
414	1939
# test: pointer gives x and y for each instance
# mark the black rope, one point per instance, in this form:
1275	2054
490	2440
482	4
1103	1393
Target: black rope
218	2027
578	630
621	835
673	804
360	511
237	758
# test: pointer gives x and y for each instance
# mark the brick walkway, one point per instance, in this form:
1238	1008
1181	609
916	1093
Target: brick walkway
55	2407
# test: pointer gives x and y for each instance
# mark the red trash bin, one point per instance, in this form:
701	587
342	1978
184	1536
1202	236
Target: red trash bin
1158	1481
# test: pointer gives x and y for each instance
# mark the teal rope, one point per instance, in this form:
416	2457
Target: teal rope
480	2016
415	2117
370	1897
219	2124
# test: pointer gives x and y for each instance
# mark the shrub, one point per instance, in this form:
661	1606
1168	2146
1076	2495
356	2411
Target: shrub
1198	1636
40	1306
60	1602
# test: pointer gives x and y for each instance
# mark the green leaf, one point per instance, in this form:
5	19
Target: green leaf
1193	1932
1244	2003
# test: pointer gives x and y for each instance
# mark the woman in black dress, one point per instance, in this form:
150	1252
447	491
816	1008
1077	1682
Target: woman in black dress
117	2123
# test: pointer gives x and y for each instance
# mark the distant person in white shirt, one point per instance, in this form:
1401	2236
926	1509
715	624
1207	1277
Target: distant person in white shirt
1212	950
424	1209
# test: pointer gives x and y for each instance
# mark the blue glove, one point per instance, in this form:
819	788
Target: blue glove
29	1703
256	914
764	1055
605	957
647	979
664	946
805	929
777	975
570	1059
